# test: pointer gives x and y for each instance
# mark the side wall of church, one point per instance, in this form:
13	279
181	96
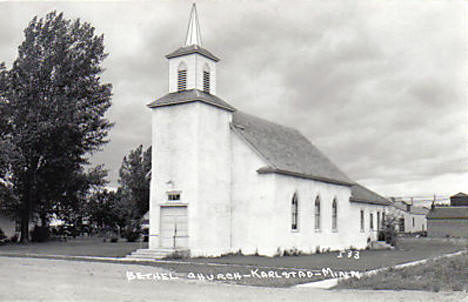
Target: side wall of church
367	233
262	210
252	199
306	237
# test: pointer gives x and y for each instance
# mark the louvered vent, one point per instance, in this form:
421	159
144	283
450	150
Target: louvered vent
181	80
206	81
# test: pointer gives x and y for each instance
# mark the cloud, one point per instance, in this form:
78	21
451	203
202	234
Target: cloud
378	86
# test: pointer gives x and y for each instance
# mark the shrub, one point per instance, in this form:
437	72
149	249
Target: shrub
114	239
14	238
381	236
177	255
132	235
40	234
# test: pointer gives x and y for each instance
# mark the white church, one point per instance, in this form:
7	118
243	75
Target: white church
226	181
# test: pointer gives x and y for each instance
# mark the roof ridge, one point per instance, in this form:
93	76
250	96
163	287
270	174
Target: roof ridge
268	121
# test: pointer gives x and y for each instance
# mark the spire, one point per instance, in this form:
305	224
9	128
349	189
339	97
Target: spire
193	30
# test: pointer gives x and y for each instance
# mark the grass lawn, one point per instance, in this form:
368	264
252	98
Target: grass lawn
278	271
408	250
84	246
443	274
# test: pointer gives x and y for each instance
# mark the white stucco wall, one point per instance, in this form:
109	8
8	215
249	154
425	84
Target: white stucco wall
195	64
368	233
210	217
192	154
252	199
306	238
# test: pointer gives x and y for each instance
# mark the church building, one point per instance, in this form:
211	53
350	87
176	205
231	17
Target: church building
226	181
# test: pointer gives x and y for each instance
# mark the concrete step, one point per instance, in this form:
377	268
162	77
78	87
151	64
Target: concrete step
380	245
155	254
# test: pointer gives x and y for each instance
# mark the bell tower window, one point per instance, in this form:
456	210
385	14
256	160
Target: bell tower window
206	78
182	77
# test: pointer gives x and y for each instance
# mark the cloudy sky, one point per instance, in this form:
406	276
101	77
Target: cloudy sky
378	86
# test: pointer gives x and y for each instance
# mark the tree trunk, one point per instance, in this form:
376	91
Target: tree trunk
26	210
24	228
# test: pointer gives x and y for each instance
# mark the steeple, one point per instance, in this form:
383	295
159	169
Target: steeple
193	31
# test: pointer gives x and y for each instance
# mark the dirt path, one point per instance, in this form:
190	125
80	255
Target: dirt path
60	280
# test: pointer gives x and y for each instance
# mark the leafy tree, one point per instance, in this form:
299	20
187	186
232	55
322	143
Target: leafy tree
134	181
73	210
104	211
54	102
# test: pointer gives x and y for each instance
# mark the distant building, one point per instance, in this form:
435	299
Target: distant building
458	200
450	221
411	219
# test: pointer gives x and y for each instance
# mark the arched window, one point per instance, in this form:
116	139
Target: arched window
334	215
317	213
181	77
206	78
294	212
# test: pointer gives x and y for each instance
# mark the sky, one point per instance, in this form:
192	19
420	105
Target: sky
378	86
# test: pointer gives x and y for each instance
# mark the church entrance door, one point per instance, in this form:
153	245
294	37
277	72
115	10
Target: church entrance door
174	227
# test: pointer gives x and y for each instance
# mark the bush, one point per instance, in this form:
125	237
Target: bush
40	234
381	236
14	238
132	235
114	239
177	255
2	235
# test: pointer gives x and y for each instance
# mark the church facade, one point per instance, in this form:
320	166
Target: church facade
226	181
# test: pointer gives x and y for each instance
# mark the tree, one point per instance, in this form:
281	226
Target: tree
390	229
104	211
55	103
73	209
134	181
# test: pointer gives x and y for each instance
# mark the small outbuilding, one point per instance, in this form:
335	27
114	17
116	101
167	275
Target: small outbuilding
459	200
448	221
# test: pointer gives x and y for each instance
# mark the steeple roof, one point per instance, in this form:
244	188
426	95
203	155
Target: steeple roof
189	96
193	41
193	31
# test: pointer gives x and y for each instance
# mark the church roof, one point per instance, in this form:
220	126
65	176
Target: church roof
187	50
359	193
191	95
286	150
448	213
